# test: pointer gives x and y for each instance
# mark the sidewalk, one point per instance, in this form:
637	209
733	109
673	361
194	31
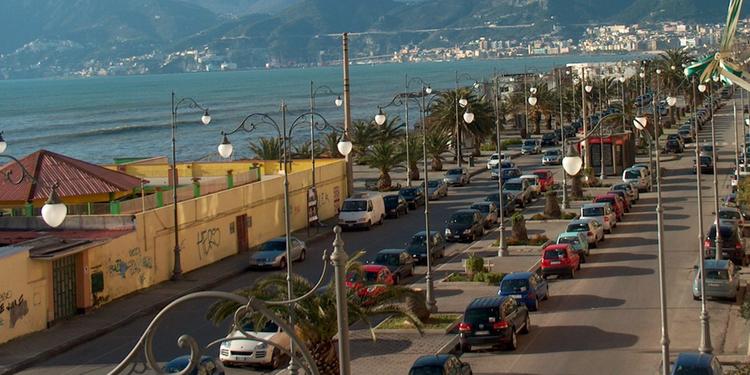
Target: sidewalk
23	352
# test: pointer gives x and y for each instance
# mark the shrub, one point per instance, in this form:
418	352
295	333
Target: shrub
519	227
474	265
551	206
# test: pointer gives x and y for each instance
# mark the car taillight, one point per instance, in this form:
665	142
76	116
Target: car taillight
738	246
500	325
464	327
589	233
707	243
606	218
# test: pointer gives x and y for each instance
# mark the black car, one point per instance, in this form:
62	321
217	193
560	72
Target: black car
440	364
673	146
732	244
398	261
413	196
493	321
707	165
416	247
509	202
549	139
464	225
395	205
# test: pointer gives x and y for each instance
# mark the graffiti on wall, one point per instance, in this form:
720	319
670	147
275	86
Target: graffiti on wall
208	240
133	264
16	307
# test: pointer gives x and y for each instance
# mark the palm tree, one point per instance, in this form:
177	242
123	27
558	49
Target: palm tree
415	154
384	156
316	321
330	144
672	78
547	104
302	150
267	148
363	133
391	130
444	115
436	141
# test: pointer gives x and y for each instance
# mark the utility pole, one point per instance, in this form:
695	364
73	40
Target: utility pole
347	116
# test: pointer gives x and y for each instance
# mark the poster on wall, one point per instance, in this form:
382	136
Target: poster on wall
312	205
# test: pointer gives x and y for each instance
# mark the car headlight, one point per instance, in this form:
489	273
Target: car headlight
226	344
467	231
362	220
261	346
447	232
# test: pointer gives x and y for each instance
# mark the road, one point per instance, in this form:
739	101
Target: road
606	319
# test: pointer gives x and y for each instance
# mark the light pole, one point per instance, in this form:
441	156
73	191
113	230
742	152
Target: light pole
463	102
314	91
562	136
502	246
585	89
205	119
284	133
719	241
380	119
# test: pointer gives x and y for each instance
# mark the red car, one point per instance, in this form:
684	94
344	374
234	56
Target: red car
546	179
370	282
625	199
615	202
560	260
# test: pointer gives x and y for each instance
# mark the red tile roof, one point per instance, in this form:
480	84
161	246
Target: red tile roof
76	178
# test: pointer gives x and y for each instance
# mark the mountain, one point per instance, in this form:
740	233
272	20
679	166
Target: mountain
243	7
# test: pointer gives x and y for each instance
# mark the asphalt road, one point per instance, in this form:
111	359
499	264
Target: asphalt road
604	321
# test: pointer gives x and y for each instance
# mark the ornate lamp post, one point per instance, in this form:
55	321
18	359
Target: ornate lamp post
284	133
205	120
502	246
462	102
314	91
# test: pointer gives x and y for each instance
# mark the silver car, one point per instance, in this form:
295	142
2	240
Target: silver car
437	189
457	176
722	279
272	254
552	157
530	146
628	189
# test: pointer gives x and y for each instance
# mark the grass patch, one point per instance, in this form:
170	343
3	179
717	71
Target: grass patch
436	321
585	197
536	240
491	278
563	216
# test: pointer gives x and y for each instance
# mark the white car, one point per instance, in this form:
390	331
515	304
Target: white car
731	215
495	159
602	212
593	228
534	185
244	351
638	177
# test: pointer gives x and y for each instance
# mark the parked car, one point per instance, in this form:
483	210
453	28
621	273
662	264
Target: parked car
732	215
493	321
272	253
706	149
505	173
414	197
418	249
576	240
439	364
509	202
488	211
722	279
637	176
206	366
244	351
546	179
624	197
369	282
519	189
362	211
398	261
593	229
525	287
686	135
616	202
694	363
549	139
530	146
560	260
732	244
627	188
464	225
707	164
457	176
677	138
534	185
436	189
673	147
552	157
494	160
602	212
395	205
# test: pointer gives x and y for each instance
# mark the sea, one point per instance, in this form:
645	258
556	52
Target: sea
99	119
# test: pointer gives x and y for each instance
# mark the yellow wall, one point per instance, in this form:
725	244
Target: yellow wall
207	169
24	299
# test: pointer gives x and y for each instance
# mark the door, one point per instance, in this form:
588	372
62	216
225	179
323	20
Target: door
64	286
242	240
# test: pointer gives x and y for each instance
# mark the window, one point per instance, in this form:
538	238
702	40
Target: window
481	315
274	246
354	206
513	186
555	254
593	211
568	240
632	174
369	206
427	370
717	275
461	218
514	286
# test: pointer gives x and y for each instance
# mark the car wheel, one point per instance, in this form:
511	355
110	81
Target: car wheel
606	231
513	344
465	348
696	298
382	220
535	305
369	225
583	259
593	245
572	273
396	279
397	214
282	263
579	266
302	255
546	295
411	270
526	325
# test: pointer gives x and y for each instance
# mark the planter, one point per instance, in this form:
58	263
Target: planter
438	323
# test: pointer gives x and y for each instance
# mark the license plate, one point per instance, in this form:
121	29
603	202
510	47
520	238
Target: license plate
724	253
482	333
517	296
457	236
713	284
554	262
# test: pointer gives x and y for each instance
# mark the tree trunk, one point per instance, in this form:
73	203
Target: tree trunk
325	356
477	147
418	306
519	232
549	122
384	182
551	206
413	170
437	164
576	190
538	123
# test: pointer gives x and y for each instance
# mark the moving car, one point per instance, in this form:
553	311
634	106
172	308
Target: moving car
398	261
693	363
525	287
505	173
530	146
560	260
464	225
519	189
416	247
457	176
509	202
534	185
493	321
494	160
578	241
414	197
488	211
395	205
552	157
706	164
591	227
686	135
362	211
369	281
206	366
602	212
722	279
244	351
436	189
439	364
638	177
732	244
546	179
549	139
272	253
673	146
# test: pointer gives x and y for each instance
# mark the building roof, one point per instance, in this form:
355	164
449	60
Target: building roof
75	177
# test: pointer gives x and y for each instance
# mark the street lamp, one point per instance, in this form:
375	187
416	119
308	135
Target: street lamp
205	120
532	100
314	91
463	102
380	117
502	246
572	162
468	116
284	133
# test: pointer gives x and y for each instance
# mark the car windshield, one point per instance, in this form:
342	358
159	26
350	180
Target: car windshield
453	172
433	184
481	315
529	143
578	227
392	199
593	211
632	174
512	186
554	254
729	214
514	286
493	198
387	259
269	327
418	240
367	277
532	181
354	206
705	160
273	246
726	232
461	218
717	275
509	172
494	157
672	142
426	370
541	174
409	192
621	187
481	207
570	240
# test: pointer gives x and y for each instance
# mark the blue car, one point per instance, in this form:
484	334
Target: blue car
692	363
208	366
525	287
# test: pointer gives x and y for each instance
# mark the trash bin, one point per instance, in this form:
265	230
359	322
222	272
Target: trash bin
471	161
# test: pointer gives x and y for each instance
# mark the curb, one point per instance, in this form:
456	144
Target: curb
448	346
26	363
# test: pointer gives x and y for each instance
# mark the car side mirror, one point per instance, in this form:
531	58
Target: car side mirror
695	267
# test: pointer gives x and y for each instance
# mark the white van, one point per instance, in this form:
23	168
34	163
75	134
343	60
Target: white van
362	211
